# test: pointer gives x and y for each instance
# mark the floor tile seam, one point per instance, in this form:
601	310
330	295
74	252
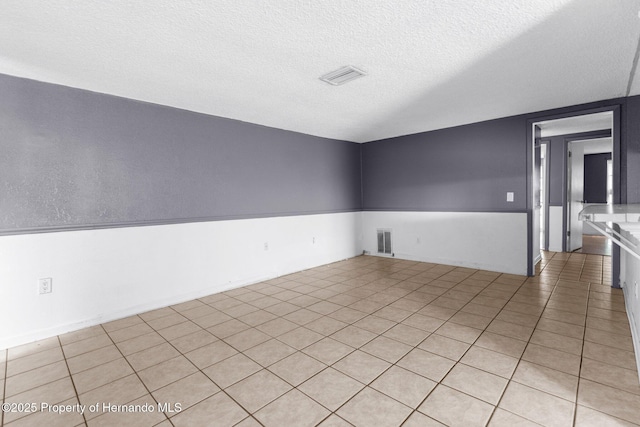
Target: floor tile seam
32	353
513	413
459	360
124	327
221	390
520	361
156	329
63	343
137	374
394	364
598	410
606	363
73	383
251	414
547	392
564	311
6	372
475	397
287	344
583	357
624	322
296	387
575	404
149	348
364	387
33	388
353	350
610	332
458	311
164	315
575	408
4	384
605	413
494	407
608	319
620	390
484	370
537	328
620	309
455	361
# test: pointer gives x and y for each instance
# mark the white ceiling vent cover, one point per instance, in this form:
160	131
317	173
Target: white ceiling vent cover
342	75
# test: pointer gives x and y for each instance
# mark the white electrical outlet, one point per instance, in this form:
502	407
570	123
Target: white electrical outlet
45	285
510	196
266	246
314	241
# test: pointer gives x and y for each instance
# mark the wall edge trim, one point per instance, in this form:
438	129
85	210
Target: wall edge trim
128	224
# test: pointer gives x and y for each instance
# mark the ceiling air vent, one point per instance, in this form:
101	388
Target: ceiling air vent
342	75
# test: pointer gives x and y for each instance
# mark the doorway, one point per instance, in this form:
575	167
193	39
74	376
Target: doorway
589	182
544	195
551	215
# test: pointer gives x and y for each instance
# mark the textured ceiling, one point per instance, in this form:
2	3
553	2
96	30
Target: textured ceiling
431	63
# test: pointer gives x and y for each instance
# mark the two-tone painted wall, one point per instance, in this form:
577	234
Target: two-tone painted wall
630	266
130	206
444	195
150	205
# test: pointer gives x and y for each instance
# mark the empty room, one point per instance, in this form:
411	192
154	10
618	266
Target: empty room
292	213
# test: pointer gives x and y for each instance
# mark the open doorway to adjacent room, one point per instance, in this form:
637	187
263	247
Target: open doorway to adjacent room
574	158
589	182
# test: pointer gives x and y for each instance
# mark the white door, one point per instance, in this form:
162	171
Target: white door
575	195
543	195
536	205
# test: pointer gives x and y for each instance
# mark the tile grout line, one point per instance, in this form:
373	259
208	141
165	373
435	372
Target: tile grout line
584	334
134	371
357	349
434	332
555	286
367	314
73	383
493	411
387	304
221	389
583	341
4	384
334	412
194	365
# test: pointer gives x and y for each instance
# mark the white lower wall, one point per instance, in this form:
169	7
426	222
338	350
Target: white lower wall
630	280
489	241
102	275
555	228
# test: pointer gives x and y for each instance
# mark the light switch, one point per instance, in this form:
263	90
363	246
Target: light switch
509	196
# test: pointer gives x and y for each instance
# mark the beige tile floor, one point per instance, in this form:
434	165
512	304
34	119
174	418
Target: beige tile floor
366	342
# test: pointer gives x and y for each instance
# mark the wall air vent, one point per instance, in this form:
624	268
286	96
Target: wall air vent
342	75
384	241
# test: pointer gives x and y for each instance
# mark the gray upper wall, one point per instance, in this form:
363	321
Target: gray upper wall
595	177
470	168
72	158
631	135
466	168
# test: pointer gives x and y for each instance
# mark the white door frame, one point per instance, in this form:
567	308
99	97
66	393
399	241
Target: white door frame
619	181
